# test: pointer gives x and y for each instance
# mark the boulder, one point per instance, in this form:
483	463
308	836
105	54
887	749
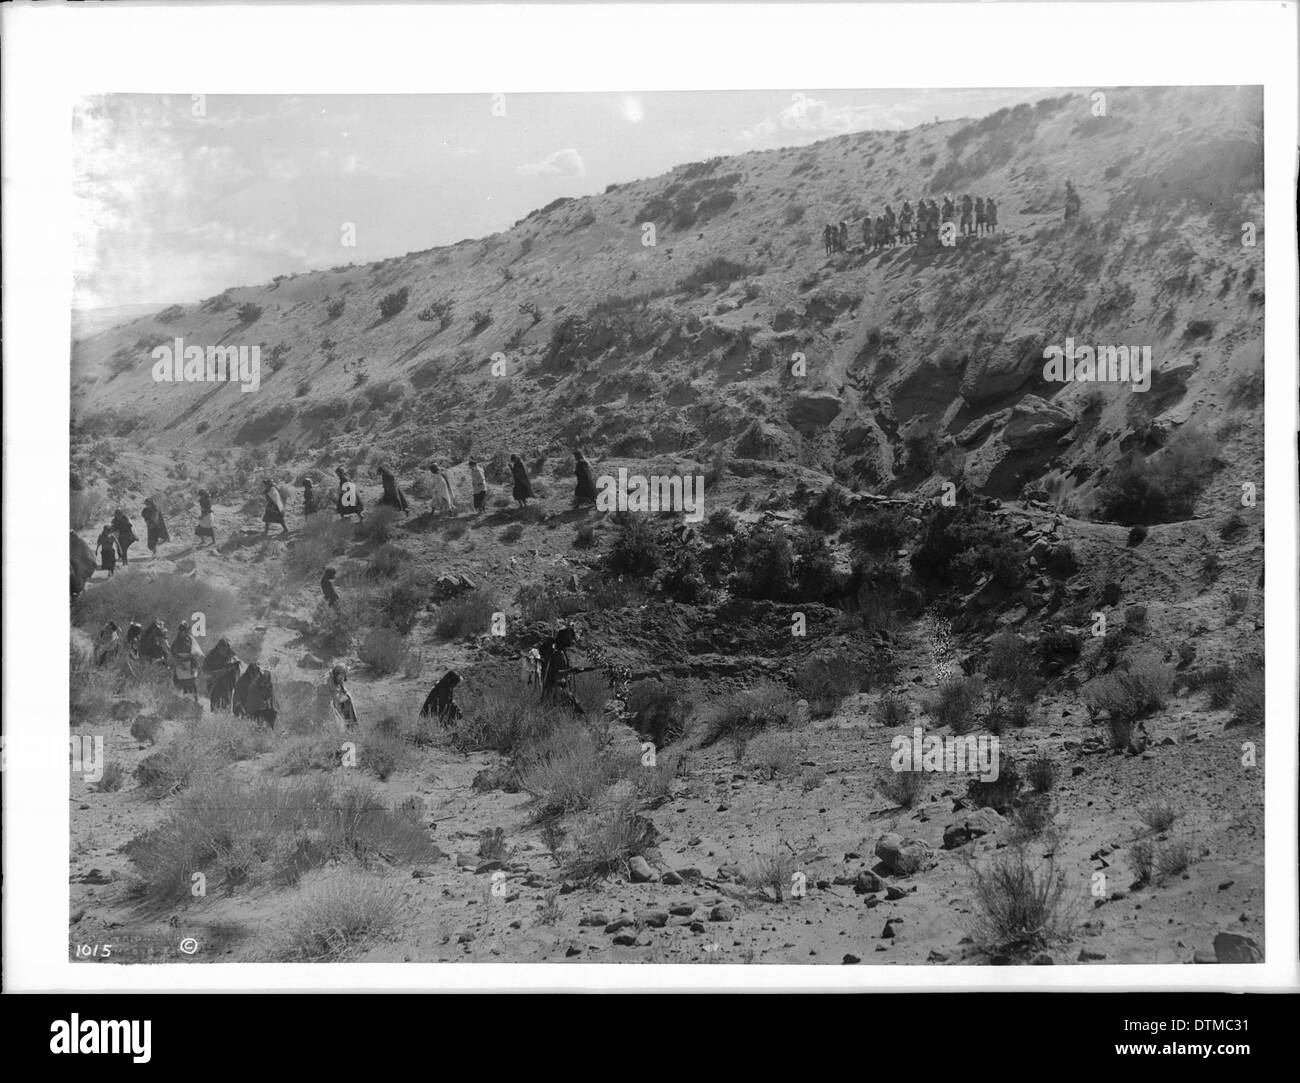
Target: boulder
1034	423
640	870
814	410
1235	948
1002	368
980	428
902	856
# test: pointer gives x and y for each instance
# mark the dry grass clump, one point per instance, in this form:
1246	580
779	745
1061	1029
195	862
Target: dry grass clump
338	915
1020	904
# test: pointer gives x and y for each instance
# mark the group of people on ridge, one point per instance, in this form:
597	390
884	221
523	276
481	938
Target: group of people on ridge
971	217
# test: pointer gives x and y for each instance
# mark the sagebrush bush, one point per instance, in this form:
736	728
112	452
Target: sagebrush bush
468	615
904	788
603	844
384	650
748	711
774	754
1158	815
1041	773
322	538
1247	700
1019	904
1132	693
337	915
891	711
826	680
636	549
955	702
772	872
999	793
565	770
380	525
133	594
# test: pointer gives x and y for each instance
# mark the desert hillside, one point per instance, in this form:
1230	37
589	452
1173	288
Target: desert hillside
904	525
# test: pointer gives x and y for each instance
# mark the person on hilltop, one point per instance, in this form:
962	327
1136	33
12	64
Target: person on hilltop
156	526
340	697
309	505
186	656
966	214
327	588
125	534
442	498
274	512
393	497
349	499
558	670
991	214
867	237
109	548
979	215
828	239
478	483
949	208
843	236
203	529
905	223
440	703
523	488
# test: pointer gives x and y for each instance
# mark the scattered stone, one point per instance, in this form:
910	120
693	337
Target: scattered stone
571	951
1205	957
721	912
1044	960
466	861
1086	956
893	894
623	921
641	871
673	878
888	932
626	940
1226	884
849	959
936	957
464	936
593	919
867	883
902	856
655	919
682	910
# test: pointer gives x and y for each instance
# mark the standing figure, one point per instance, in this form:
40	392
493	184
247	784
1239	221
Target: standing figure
523	488
110	549
979	215
309	505
584	489
991	214
557	670
186	656
844	236
965	214
349	499
340	697
868	240
125	535
478	483
221	671
274	512
156	526
153	642
393	497
203	529
1072	201
107	644
828	239
442	498
327	588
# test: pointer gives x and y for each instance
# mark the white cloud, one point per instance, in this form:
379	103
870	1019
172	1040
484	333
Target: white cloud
811	118
561	163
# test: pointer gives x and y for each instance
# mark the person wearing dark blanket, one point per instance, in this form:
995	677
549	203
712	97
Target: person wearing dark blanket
133	634
349	500
243	686
340	697
523	490
108	644
125	534
327	588
557	670
203	528
153	642
259	701
274	512
584	489
309	505
392	497
110	550
221	668
156	526
440	702
477	483
186	656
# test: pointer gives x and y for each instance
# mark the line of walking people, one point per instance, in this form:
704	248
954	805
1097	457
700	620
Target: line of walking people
971	217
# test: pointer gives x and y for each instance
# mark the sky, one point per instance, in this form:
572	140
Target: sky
178	197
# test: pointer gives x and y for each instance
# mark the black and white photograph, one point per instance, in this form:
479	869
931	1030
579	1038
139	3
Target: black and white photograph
778	527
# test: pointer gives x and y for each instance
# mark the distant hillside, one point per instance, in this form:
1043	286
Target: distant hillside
91	321
916	359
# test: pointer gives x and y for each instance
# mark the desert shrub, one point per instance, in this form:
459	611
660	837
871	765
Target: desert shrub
826	512
682	579
1163	487
1019	904
564	770
1132	693
322	538
90	689
307	752
585	536
384	650
512	533
1142	859
85	507
891	711
500	717
439	310
1135	617
604	843
479	319
197	752
269	830
383	754
393	303
249	312
492	844
658	710
387	561
746	712
773	754
770	872
765	566
826	680
1158	815
717	271
336	627
879	530
1032	818
113	778
954	703
998	793
1173	858
400	603
635	550
904	788
338	915
140	595
1233	529
814	568
1011	668
380	525
1041	773
1137	536
1247	700
959	546
468	615
721	522
335	308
